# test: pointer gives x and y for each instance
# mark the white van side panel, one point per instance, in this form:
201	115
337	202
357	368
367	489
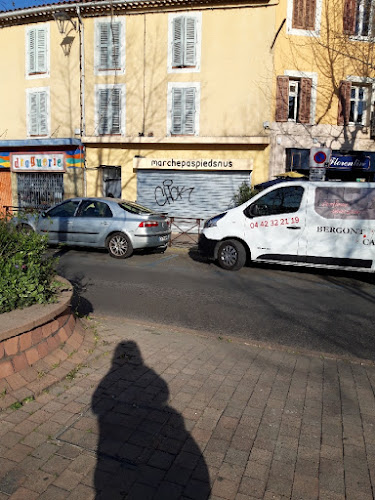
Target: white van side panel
340	225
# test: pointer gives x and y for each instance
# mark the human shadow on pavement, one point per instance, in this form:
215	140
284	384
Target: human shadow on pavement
144	450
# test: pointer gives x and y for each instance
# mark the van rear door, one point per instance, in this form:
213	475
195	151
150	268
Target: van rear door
341	225
274	223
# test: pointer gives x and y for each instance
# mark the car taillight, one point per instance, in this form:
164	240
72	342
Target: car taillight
149	224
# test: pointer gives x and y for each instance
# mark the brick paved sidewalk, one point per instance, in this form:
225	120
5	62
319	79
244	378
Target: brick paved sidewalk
160	413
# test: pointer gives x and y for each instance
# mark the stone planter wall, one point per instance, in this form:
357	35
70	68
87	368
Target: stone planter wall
39	345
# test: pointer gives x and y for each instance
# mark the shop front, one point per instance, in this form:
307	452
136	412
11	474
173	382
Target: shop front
183	180
351	166
43	173
190	188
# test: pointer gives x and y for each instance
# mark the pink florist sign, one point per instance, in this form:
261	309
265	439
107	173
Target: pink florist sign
38	162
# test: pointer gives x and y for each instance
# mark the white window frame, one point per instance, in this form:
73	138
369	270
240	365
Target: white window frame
198	19
46	74
299	32
370	84
369	37
109	20
122	88
29	92
314	77
171	86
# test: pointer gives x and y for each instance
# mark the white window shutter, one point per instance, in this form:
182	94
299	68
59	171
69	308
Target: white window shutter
103	48
103	97
177	49
33	114
43	118
189	125
41	59
32	51
177	122
190	41
116	111
116	45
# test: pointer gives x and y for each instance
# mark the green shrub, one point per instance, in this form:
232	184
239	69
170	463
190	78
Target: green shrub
244	193
26	272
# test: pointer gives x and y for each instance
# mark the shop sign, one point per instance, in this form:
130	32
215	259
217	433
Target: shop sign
193	164
38	162
349	162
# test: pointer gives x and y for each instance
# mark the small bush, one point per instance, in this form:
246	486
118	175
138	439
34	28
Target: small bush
244	193
26	272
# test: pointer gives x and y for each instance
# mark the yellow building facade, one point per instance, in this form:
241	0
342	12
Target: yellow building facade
163	105
323	91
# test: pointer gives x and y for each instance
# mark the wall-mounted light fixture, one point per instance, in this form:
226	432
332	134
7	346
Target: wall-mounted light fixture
63	20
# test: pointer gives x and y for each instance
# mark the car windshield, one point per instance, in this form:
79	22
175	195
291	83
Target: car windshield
134	208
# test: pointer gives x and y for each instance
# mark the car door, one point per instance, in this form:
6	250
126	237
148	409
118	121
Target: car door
91	224
57	222
274	223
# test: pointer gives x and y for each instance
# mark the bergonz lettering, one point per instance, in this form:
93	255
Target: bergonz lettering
339	230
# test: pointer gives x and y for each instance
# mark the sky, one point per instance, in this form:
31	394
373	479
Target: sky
21	4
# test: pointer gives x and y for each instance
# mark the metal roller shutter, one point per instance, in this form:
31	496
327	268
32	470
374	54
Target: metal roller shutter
189	194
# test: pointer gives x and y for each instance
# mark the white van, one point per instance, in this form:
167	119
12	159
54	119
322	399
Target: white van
320	224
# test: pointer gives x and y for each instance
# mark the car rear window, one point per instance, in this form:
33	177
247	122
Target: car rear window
134	208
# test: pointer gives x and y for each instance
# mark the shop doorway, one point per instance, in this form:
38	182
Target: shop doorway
39	190
111	182
5	191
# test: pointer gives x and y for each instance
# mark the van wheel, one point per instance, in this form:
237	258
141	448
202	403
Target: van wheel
231	255
119	246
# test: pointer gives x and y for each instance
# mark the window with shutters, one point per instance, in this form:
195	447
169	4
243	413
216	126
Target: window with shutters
183	104
37	52
109	46
294	99
37	105
184	42
354	103
110	109
359	18
304	16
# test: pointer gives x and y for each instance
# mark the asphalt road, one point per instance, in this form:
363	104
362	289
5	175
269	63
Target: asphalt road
325	311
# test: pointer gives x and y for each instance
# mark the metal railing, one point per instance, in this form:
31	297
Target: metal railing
187	234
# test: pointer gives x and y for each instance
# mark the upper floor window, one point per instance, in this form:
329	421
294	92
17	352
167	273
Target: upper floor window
354	102
110	109
183	101
37	112
37	43
184	42
293	99
304	16
359	18
109	46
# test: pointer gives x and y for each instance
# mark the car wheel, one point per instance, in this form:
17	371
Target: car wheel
231	255
119	246
24	228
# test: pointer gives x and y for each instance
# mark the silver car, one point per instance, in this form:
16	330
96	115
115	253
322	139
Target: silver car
118	225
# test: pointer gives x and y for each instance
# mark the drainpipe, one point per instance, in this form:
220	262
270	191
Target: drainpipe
82	125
